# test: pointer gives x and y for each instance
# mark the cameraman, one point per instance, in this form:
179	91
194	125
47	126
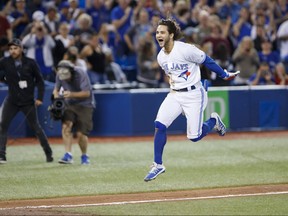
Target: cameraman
73	85
22	75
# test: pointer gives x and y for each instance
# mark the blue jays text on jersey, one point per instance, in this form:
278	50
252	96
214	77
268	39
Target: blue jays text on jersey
176	67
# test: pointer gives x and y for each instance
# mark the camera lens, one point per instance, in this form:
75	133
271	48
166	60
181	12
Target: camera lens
58	104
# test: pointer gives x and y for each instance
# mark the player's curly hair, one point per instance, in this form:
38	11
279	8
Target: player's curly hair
172	26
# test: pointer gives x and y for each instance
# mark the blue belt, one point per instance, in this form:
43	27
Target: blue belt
190	88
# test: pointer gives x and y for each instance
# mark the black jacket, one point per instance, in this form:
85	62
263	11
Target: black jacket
29	72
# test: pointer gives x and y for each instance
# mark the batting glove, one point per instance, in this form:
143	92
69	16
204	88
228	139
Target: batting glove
229	75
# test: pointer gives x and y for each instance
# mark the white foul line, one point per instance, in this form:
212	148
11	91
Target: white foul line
146	201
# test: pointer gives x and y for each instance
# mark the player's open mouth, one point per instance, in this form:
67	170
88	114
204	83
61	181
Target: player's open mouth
161	42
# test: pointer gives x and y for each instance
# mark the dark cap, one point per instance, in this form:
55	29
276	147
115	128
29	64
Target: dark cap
15	42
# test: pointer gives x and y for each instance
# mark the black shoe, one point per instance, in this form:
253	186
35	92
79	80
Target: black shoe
3	160
49	159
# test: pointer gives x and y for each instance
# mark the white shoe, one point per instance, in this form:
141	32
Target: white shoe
156	169
219	126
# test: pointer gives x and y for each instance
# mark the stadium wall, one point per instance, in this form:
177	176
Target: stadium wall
132	112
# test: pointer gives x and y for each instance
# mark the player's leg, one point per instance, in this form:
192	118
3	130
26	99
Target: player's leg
194	107
160	139
169	110
194	104
32	118
8	112
214	122
206	128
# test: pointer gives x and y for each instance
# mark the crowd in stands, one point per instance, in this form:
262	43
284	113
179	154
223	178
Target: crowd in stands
114	40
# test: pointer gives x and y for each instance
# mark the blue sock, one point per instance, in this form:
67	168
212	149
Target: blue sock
160	139
206	128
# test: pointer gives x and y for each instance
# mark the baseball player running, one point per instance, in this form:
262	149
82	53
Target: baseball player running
180	61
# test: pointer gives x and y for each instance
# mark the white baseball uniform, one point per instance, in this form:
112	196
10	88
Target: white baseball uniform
182	66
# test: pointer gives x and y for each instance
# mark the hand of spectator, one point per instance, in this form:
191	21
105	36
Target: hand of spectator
127	11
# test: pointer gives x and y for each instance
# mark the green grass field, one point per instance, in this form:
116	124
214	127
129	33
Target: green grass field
120	168
272	205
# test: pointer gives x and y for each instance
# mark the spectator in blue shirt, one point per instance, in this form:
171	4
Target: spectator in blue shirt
20	18
99	13
64	15
242	27
263	76
273	60
121	17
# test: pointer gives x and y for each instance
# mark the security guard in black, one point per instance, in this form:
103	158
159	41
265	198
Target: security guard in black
22	75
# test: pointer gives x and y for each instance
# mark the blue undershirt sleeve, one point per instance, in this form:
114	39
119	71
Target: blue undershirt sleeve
213	66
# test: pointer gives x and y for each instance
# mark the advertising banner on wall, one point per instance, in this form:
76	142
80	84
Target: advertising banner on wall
218	101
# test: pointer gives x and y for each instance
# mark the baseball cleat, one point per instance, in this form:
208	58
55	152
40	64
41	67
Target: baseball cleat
219	126
85	159
67	159
156	169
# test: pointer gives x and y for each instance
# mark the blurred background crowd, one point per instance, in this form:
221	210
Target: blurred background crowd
114	40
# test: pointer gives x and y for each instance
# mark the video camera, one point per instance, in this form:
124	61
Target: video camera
57	108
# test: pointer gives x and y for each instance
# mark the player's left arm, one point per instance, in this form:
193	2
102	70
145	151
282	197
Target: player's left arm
213	66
